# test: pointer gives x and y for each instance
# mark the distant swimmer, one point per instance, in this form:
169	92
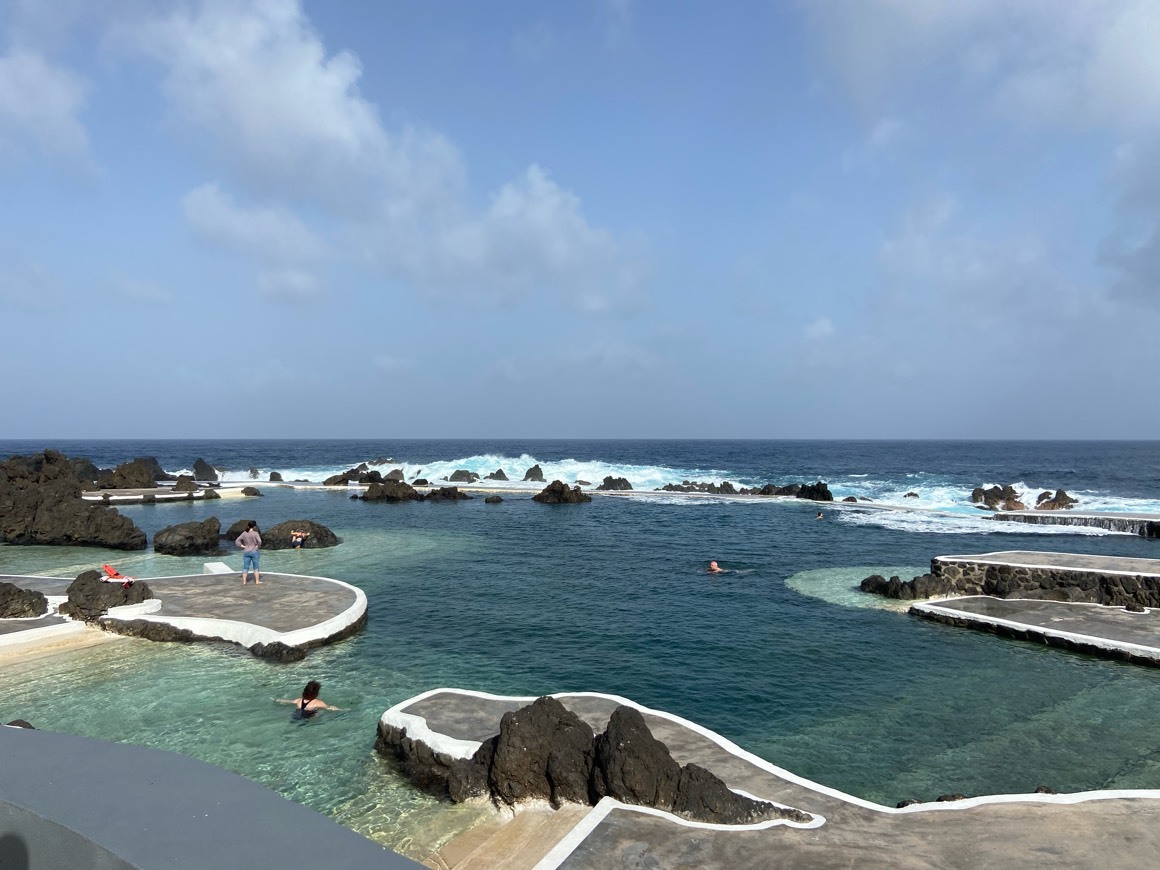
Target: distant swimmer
714	568
820	516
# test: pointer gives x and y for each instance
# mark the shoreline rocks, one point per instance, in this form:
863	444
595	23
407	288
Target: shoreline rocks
190	539
557	492
534	474
17	603
615	484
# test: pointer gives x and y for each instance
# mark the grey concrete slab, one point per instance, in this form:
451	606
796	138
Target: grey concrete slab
15	626
155	809
1097	829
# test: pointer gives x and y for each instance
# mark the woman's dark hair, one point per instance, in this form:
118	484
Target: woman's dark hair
252	524
311	690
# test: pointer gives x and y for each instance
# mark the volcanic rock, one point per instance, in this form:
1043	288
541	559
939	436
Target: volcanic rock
17	603
40	503
703	796
392	491
20	723
236	529
420	481
276	651
497	475
89	596
202	470
209	494
911	495
543	751
995	497
278	537
87	473
190	539
462	475
275	477
815	492
395	474
633	766
1061	501
185	483
372	476
446	493
557	492
611	484
850	498
535	473
251	491
142	473
493	499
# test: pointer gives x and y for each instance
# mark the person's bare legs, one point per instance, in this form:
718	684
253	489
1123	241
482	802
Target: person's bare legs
244	573
257	578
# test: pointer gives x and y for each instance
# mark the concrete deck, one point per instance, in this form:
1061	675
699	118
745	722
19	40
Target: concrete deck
74	802
1093	829
297	610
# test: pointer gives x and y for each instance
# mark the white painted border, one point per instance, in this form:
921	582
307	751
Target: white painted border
1147	652
47	632
732	748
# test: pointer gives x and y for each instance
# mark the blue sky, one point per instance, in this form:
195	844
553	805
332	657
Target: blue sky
600	218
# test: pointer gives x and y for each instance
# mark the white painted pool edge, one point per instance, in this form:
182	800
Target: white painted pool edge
1147	652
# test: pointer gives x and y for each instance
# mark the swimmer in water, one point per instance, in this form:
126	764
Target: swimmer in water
714	568
309	704
820	517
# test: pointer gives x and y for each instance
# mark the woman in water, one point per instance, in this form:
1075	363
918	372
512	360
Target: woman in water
309	703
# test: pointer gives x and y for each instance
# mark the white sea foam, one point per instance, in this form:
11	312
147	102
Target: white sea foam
943	524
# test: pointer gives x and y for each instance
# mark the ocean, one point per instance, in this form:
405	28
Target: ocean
782	654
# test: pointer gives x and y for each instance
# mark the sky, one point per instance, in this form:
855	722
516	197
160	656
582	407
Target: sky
585	219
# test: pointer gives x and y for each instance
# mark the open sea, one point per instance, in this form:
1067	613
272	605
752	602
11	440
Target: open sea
782	654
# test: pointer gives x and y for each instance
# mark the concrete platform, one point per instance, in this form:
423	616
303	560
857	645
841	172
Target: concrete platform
74	802
1091	829
294	609
1145	525
1065	561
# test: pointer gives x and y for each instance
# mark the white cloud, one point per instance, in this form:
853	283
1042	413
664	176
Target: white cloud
290	122
273	233
39	105
1085	62
295	286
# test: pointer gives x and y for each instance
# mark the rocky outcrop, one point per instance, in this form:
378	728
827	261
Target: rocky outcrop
394	474
850	498
40	504
86	472
911	495
493	499
17	603
546	752
89	596
1060	501
276	651
235	529
251	492
446	493
497	475
462	475
535	473
275	477
815	492
185	483
278	537
926	586
20	723
557	492
141	473
420	481
615	484
996	498
391	491
190	539
202	470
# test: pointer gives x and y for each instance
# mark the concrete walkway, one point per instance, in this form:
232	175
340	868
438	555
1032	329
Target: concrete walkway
1066	561
297	610
1094	829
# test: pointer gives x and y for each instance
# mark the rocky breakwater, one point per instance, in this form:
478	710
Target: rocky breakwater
40	503
395	491
546	752
819	491
1007	498
558	492
959	577
615	484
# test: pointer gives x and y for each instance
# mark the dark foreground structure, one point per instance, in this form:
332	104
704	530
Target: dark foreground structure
73	802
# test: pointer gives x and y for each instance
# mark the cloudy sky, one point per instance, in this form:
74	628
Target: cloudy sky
598	218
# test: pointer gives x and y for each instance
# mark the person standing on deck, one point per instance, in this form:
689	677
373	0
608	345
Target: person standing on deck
250	542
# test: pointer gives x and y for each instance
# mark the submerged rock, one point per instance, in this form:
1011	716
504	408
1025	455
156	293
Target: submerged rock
493	499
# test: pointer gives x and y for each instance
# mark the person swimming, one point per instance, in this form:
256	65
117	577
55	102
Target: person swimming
714	568
309	704
820	516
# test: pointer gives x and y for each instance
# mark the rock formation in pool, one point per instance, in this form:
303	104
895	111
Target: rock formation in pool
40	503
202	470
278	537
141	473
534	474
89	596
462	475
546	752
496	475
397	491
17	603
615	484
557	492
190	539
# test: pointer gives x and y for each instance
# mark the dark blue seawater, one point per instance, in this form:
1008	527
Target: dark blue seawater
612	597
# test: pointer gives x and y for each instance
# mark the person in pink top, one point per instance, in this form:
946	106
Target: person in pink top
250	542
